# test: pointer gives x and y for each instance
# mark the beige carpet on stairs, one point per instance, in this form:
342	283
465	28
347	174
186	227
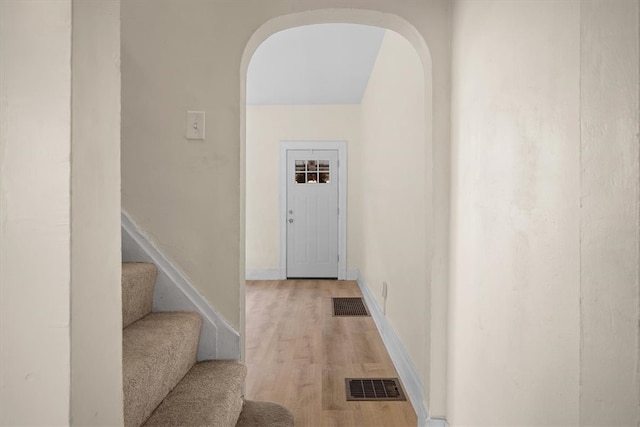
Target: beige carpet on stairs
261	414
162	383
158	350
209	395
138	283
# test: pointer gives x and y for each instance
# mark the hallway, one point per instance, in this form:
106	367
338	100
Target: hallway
298	354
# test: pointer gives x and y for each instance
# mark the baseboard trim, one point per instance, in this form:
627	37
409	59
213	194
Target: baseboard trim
407	371
174	292
274	274
436	422
263	274
352	275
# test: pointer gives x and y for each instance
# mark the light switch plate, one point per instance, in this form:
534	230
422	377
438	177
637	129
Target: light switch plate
195	125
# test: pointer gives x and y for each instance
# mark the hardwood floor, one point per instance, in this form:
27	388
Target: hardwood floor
298	354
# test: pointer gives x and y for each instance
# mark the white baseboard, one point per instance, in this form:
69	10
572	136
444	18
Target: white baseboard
436	422
274	274
263	274
174	292
407	371
352	275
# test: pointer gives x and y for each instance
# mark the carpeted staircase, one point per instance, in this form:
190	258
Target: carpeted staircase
163	383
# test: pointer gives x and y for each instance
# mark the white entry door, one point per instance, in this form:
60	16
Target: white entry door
312	213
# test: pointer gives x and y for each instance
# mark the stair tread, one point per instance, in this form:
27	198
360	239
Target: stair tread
264	414
210	394
138	283
157	351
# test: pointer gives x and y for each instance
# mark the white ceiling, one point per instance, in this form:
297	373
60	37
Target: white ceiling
314	64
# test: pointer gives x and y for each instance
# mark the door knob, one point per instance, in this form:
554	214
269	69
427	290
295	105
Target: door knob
290	220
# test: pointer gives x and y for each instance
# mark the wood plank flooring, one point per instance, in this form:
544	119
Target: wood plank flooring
299	355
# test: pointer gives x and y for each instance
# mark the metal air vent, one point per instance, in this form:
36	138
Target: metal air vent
374	389
349	307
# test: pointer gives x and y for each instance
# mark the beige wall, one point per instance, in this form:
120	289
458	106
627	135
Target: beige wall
60	256
390	201
266	127
35	87
609	229
544	286
96	328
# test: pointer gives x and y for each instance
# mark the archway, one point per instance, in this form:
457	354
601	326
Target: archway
421	394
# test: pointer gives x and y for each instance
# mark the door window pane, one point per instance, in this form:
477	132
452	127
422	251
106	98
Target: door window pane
313	171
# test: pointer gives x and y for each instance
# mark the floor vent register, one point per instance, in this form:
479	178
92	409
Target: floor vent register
374	389
349	307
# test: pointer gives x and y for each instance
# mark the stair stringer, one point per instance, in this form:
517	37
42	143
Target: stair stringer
174	292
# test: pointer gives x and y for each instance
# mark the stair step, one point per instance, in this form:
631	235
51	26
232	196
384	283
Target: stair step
209	395
138	283
157	351
264	414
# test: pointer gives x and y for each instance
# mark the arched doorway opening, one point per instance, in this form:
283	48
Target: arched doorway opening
423	382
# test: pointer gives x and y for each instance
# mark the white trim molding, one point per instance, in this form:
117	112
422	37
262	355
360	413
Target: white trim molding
174	292
436	422
407	371
263	274
352	274
341	147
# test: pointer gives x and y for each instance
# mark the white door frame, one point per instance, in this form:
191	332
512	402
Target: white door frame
341	147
